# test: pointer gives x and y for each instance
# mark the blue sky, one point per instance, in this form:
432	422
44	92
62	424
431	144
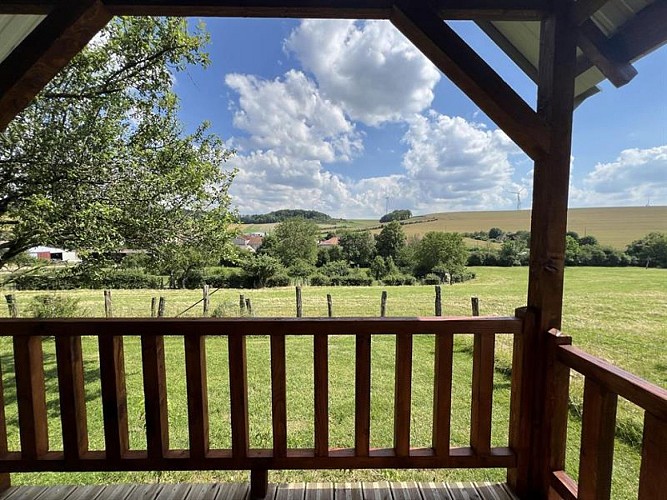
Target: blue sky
349	118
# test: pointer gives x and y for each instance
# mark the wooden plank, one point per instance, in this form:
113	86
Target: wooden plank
442	393
362	396
631	387
468	71
434	491
233	490
114	399
278	396
348	491
45	51
319	491
72	397
155	395
5	480
405	490
597	441
195	373
239	327
321	391
482	393
291	491
238	392
380	490
490	491
582	10
31	396
652	477
402	394
563	485
593	43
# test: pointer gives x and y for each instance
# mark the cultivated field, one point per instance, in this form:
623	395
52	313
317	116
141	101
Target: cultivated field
618	314
617	226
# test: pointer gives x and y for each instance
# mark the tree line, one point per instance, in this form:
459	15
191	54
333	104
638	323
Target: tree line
283	215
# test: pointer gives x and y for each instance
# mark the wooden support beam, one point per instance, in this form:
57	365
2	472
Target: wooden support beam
465	68
582	10
593	43
636	38
45	51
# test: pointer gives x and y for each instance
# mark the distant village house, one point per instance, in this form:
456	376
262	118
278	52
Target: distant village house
52	253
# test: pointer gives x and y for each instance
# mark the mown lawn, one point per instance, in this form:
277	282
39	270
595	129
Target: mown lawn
617	314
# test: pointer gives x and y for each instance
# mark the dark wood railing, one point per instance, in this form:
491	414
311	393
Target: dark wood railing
35	455
603	384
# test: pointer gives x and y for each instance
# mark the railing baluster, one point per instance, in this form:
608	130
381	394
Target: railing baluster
72	396
114	399
195	373
402	394
278	396
31	397
482	393
321	379
442	393
652	477
238	390
5	481
597	441
155	395
362	413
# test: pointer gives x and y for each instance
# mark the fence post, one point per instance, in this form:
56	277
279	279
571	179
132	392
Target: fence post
108	310
329	305
383	304
438	300
248	306
299	303
153	307
161	307
11	304
241	305
206	300
475	306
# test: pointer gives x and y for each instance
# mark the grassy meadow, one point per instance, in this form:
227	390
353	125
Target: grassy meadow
618	314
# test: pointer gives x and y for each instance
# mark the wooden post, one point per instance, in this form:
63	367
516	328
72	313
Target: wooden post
299	303
153	307
108	310
160	308
248	306
383	304
241	305
259	483
11	304
438	300
206	300
475	306
555	104
329	305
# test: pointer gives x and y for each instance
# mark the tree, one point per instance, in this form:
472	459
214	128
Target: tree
445	250
260	268
651	250
495	233
358	247
391	240
296	239
99	161
396	215
572	250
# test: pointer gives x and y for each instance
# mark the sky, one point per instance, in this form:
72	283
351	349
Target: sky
349	118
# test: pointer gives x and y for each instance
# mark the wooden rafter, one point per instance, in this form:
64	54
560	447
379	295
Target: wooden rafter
639	36
355	9
582	10
592	43
44	52
465	68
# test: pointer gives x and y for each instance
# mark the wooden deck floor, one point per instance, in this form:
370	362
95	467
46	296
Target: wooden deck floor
240	491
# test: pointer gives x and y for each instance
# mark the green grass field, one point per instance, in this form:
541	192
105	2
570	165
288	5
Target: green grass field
618	314
615	226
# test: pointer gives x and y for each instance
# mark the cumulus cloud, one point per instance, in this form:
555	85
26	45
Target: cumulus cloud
369	68
636	176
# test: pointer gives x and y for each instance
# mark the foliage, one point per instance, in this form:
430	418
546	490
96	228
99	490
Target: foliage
328	254
295	239
54	306
283	215
99	161
588	240
651	250
431	279
358	247
67	279
445	250
513	253
300	269
262	267
278	280
378	267
391	240
397	215
336	268
495	233
399	280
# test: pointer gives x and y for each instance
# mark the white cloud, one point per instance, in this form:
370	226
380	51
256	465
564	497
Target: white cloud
636	176
369	68
290	115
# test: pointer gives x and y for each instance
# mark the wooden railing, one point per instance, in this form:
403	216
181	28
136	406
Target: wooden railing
35	455
603	384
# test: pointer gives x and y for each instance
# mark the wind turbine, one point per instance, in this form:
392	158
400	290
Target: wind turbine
518	197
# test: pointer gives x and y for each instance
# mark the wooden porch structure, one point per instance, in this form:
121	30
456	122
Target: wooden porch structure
570	43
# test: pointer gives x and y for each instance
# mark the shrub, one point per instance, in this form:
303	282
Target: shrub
54	306
129	280
192	278
431	279
399	279
335	268
352	280
320	280
278	280
464	276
